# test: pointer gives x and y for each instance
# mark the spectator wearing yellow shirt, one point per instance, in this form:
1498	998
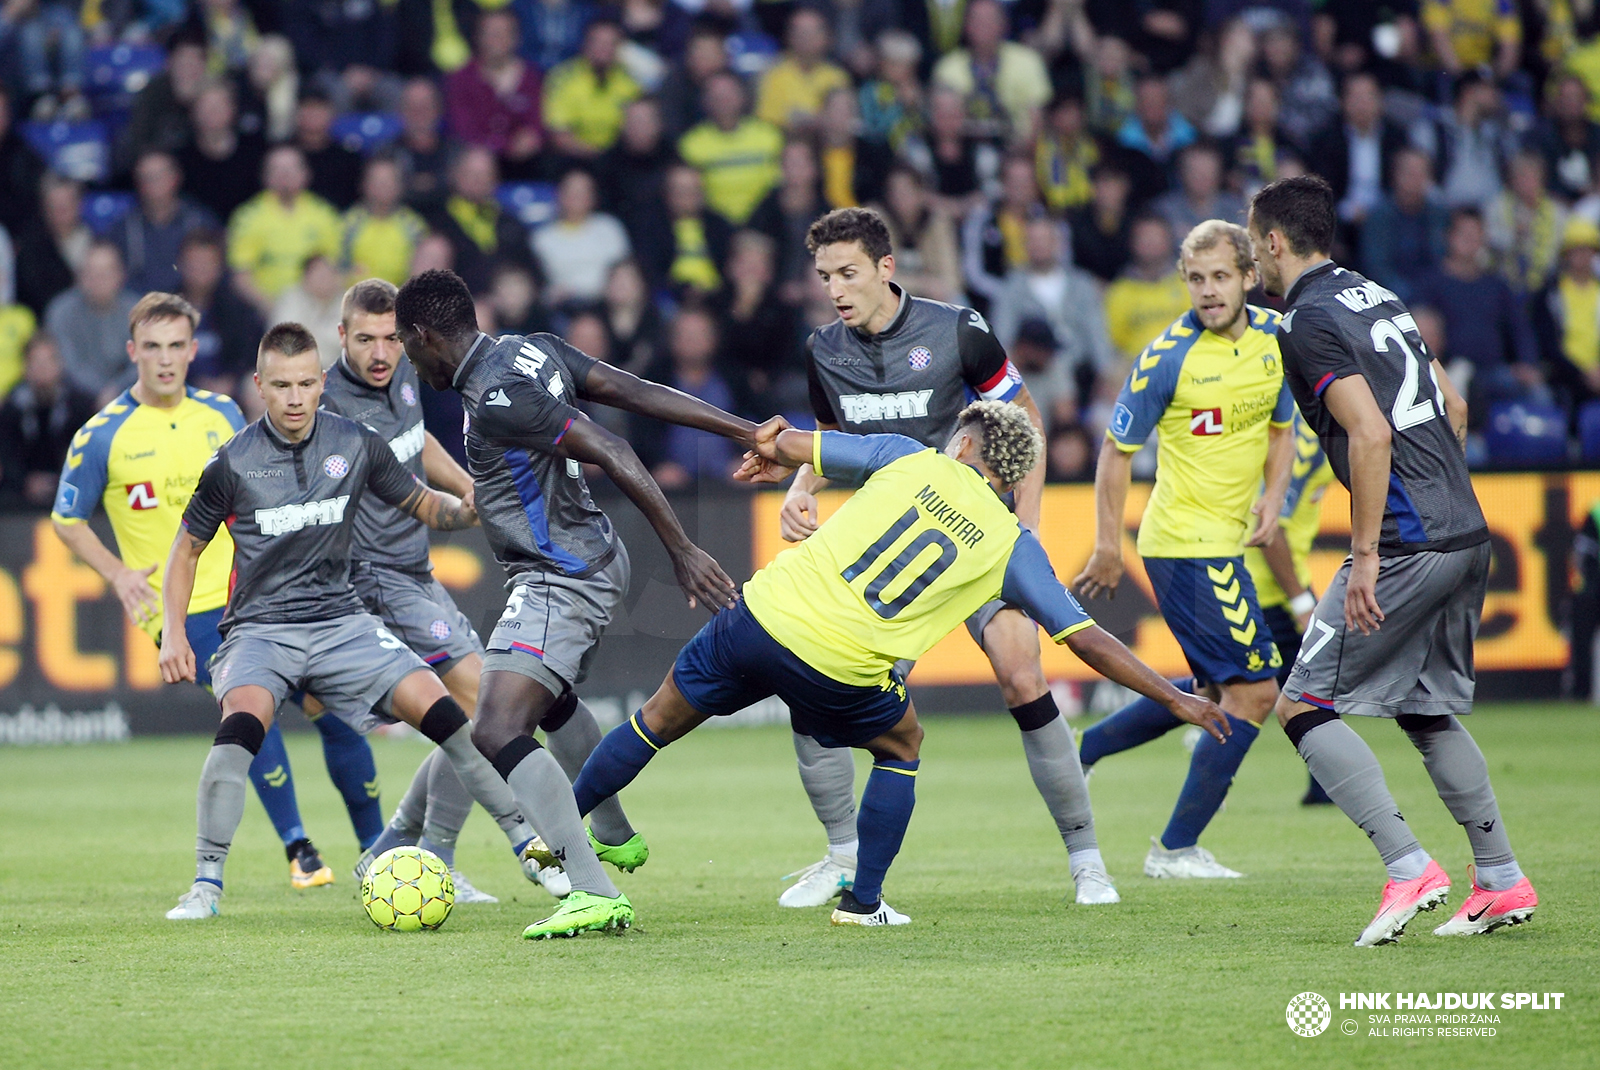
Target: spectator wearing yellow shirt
1004	83
274	233
1150	294
17	324
793	89
380	233
1566	315
585	97
1065	155
1524	225
1469	33
736	154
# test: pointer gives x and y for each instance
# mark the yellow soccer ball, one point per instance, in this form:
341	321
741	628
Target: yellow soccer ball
408	890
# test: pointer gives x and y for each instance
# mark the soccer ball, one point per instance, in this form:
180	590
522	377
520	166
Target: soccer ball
407	890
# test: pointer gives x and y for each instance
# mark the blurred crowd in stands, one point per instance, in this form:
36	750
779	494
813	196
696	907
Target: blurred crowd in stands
640	178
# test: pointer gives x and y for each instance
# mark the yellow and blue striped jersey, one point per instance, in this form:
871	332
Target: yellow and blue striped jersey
1301	517
1209	399
143	463
916	551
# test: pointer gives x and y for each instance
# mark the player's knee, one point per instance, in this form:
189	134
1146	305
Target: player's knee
1021	684
1253	701
1413	723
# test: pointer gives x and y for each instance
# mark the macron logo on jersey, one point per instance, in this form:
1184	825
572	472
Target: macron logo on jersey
1368	295
408	444
1205	421
906	405
287	519
142	496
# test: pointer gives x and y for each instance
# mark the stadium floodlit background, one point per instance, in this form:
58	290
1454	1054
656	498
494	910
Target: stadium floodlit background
639	178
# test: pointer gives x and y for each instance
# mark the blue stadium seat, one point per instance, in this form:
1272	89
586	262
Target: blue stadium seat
533	203
118	72
1589	431
100	210
751	53
76	150
366	132
1526	434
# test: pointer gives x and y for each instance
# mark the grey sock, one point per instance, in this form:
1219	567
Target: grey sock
413	809
485	785
445	851
1348	770
545	795
829	775
1461	776
224	782
572	744
449	803
1053	761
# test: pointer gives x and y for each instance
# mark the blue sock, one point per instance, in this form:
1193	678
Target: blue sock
1138	722
1211	772
881	822
274	782
620	756
354	773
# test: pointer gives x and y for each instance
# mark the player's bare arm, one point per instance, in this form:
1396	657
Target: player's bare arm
1101	651
1455	406
139	600
442	470
1030	492
177	657
1349	399
624	390
702	579
1280	560
438	510
798	519
1280	457
1112	474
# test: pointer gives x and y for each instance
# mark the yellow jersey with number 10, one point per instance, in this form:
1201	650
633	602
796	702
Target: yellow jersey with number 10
916	551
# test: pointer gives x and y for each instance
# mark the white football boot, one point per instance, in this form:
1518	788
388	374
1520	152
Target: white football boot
1190	862
1095	887
819	882
466	893
197	904
884	915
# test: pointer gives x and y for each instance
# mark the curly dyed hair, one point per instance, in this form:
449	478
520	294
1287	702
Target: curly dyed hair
1010	444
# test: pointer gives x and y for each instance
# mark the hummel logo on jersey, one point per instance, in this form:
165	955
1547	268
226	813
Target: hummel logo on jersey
497	398
906	405
1368	295
408	444
1205	421
142	496
286	519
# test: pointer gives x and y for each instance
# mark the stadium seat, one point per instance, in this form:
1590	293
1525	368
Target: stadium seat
366	132
101	210
118	72
1526	434
533	203
751	53
80	151
1589	431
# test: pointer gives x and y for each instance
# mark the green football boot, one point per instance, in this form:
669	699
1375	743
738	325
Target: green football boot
583	912
626	856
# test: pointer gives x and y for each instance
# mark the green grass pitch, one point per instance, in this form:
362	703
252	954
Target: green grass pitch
999	969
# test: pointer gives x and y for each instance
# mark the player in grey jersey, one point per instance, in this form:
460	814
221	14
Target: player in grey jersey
568	570
1394	428
898	364
289	486
372	383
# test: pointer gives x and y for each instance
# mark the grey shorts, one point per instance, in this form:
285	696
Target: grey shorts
980	620
553	623
1419	661
350	664
418	609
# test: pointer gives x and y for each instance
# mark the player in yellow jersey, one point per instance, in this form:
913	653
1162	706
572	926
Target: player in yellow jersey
926	540
141	456
1282	569
1212	388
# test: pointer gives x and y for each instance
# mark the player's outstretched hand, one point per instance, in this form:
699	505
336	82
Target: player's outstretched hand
702	579
798	519
1361	594
138	598
1101	574
1205	713
766	439
1266	513
177	659
757	469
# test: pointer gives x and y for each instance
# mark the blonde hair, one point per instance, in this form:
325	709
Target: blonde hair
1211	233
1008	442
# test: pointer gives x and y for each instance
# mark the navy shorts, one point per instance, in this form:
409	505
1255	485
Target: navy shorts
733	663
204	640
1210	605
